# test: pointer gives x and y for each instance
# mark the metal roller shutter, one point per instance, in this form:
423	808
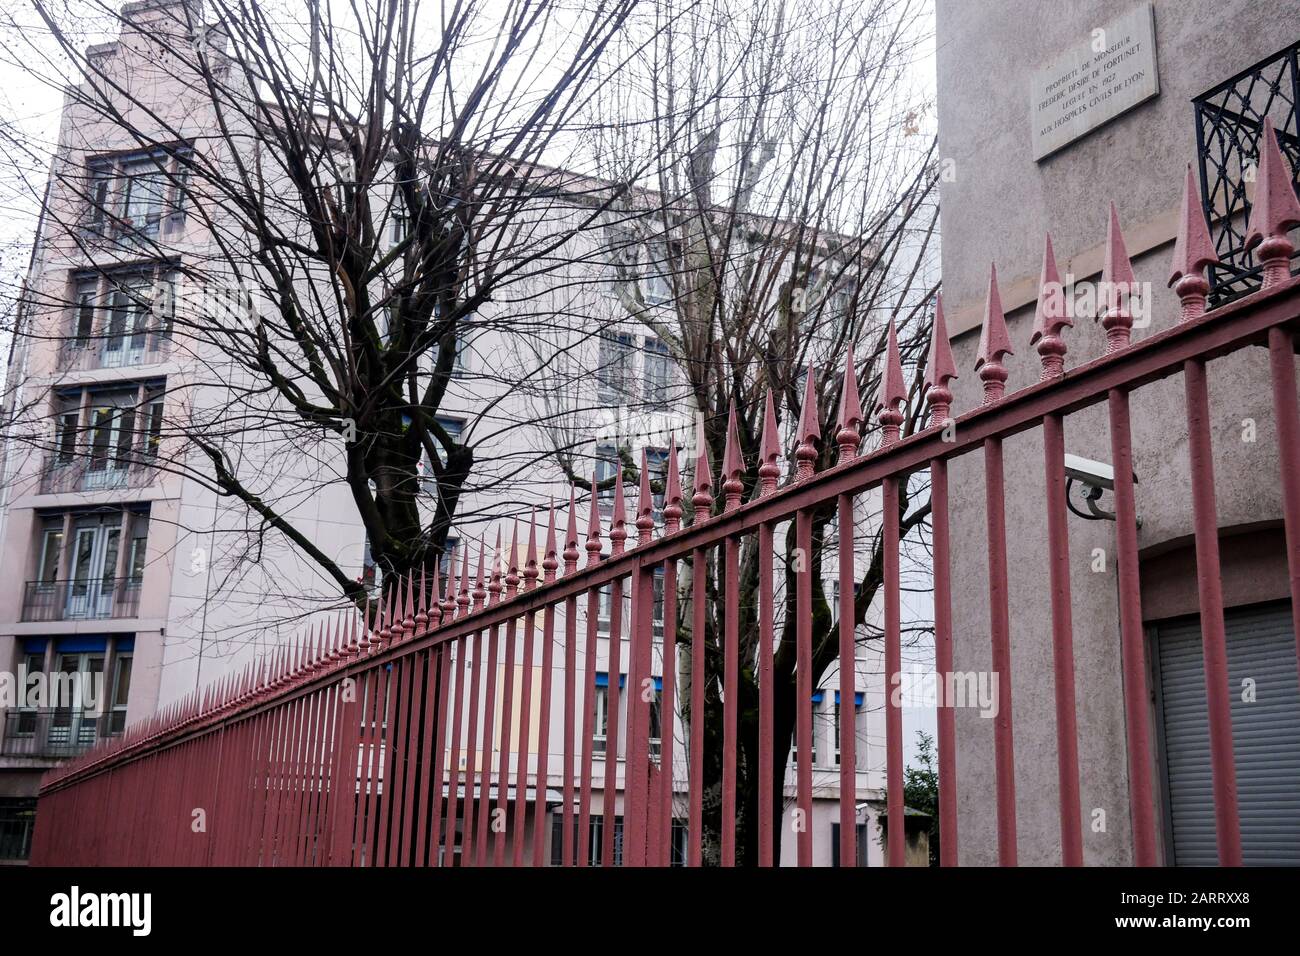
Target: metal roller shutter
1265	736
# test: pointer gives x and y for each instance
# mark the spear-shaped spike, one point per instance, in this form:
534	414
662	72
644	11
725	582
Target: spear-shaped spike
408	619
530	559
449	596
702	500
892	392
386	620
571	534
422	611
480	592
1118	286
550	561
672	491
618	520
1275	211
593	545
463	599
512	572
645	503
940	368
1050	317
733	463
810	432
847	437
769	472
494	584
1193	252
435	597
395	626
995	342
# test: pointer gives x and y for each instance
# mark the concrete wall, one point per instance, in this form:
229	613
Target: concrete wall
998	207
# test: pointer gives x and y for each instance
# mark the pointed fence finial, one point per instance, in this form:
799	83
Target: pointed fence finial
805	453
733	463
892	390
618	521
408	619
422	612
462	595
769	472
1275	211
480	592
672	491
594	544
531	572
995	342
435	597
550	560
449	596
396	626
494	583
571	534
1050	317
512	564
645	503
1193	253
940	368
1118	286
850	418
702	500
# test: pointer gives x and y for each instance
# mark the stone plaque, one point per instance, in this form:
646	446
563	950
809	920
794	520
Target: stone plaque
1106	74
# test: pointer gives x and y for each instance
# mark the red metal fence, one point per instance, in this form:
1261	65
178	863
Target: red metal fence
347	749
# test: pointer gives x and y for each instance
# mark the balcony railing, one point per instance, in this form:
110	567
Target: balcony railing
57	732
145	347
81	473
1229	122
79	600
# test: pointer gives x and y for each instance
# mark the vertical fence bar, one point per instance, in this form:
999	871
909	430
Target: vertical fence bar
766	723
543	737
472	751
803	688
485	762
500	827
730	693
1213	639
1132	638
1058	557
999	628
456	704
588	727
1281	361
848	674
525	717
946	718
896	832
699	625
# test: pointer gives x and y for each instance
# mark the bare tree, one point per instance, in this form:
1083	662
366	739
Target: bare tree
788	214
327	206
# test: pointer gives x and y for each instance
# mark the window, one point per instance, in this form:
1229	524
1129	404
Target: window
66	442
454	427
657	373
121	690
657	615
656	284
136	195
857	705
862	844
601	723
657	463
17	821
816	711
607	462
656	717
51	555
614	367
123	317
137	548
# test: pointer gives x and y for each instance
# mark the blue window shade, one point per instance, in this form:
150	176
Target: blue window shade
77	645
124	644
34	645
857	698
818	697
602	680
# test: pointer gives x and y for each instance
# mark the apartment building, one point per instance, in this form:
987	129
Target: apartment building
117	564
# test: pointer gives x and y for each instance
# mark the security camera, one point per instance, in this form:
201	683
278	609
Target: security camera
1086	471
1096	478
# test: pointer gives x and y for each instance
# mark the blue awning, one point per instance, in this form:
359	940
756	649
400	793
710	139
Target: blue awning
857	698
81	644
818	697
602	680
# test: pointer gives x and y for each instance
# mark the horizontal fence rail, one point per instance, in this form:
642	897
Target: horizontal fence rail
388	739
